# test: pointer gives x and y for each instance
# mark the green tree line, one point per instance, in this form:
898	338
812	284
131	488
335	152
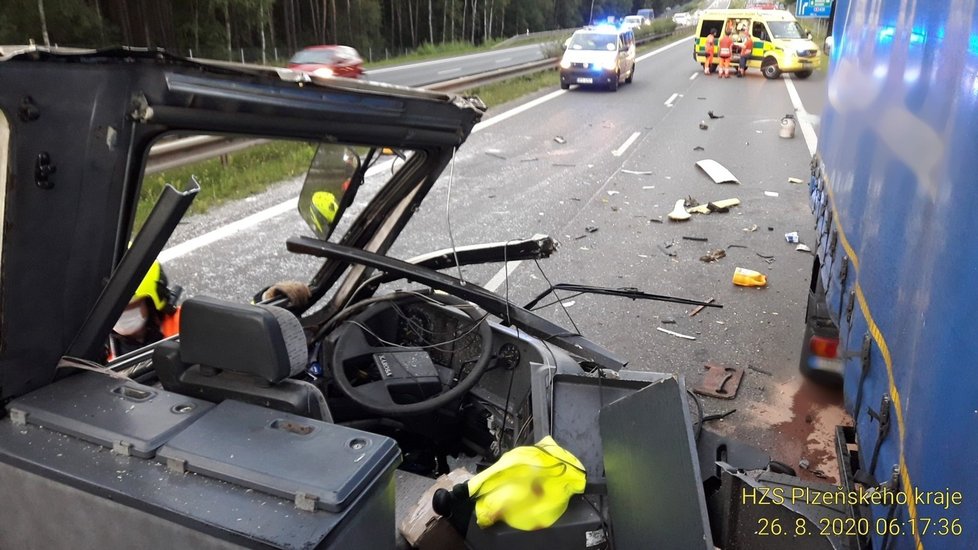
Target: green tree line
276	28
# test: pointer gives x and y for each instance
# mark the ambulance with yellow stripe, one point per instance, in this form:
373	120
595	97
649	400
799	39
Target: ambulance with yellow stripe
781	45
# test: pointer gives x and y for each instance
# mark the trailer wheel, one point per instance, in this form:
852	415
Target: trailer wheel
770	68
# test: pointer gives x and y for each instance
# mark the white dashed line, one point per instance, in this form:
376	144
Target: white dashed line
447	71
672	98
694	75
624	146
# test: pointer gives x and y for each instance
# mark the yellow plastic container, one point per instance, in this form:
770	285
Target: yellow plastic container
748	277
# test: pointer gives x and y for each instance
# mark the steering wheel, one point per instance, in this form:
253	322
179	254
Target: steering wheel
352	343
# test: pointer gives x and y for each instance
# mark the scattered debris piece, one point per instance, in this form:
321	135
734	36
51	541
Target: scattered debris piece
560	140
804	464
703	125
716	171
579	237
769	228
751	229
669	253
713	256
591	229
655	220
765	256
698	239
679	212
643	256
495	154
612	193
700	308
568	303
638	172
771	194
575	199
713	115
690	202
791	237
648	187
759	369
700	98
758	132
676	334
668	321
564	164
531	159
748	277
698	148
720	381
729	246
722	207
795	180
803	248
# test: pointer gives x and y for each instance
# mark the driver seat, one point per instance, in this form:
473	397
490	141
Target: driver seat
245	352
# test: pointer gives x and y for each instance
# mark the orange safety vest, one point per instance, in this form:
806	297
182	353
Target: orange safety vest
710	40
747	47
726	46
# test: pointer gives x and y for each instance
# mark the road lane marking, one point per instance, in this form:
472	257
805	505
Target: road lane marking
446	71
624	146
190	245
503	60
811	138
672	98
501	275
694	75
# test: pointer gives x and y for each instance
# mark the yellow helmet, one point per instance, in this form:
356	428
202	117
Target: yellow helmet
154	287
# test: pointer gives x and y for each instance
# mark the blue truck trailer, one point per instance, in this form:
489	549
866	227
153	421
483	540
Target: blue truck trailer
893	190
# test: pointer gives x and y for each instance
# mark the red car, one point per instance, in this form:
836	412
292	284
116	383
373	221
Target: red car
328	61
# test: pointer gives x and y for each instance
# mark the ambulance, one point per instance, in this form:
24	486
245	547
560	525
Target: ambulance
781	45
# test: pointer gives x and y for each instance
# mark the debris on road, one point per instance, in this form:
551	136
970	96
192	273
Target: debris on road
759	369
795	180
791	237
679	213
676	334
698	148
729	246
568	303
804	464
717	172
648	187
803	248
749	277
495	154
700	307
721	206
612	193
720	381
563	164
668	321
713	256
751	229
638	172
703	125
655	220
531	159
591	229
765	256
713	115
771	194
560	140
698	239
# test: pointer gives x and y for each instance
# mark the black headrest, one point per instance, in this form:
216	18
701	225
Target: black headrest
265	341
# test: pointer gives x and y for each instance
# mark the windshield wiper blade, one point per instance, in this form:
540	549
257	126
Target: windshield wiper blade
625	292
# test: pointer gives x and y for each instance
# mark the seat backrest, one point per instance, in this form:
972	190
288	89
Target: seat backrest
239	351
264	341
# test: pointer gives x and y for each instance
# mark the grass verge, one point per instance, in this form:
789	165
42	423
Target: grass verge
238	176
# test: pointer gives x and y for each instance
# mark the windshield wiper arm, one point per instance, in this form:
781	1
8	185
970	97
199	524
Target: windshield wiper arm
626	292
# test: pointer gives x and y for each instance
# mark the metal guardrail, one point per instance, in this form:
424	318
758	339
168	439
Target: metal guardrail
180	152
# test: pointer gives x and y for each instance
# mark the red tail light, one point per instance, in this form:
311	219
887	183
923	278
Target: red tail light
823	347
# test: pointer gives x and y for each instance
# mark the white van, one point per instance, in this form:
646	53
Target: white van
598	56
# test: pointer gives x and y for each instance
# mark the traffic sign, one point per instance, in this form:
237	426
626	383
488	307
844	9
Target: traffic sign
813	8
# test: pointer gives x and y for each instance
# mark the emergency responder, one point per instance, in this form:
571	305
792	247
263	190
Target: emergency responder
710	45
746	46
726	51
151	315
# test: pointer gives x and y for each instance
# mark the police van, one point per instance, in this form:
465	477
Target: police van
598	56
781	45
